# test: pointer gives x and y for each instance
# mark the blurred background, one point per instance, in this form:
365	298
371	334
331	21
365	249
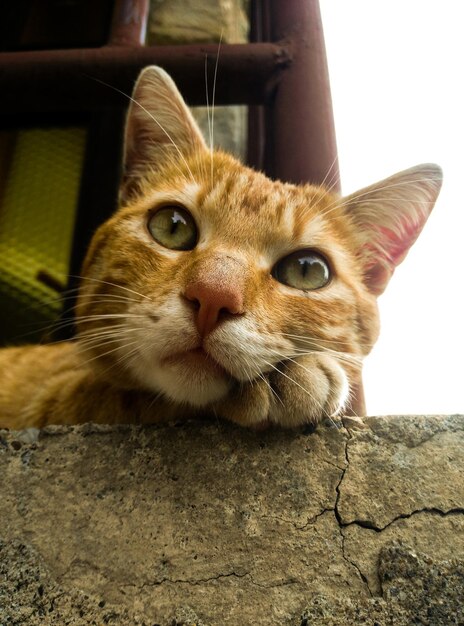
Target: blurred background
397	79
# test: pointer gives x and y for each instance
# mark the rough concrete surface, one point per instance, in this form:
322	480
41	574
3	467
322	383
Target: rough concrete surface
208	524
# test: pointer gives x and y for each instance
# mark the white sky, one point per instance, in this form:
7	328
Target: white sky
397	79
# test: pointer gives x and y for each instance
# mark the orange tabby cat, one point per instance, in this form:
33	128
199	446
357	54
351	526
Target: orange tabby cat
214	288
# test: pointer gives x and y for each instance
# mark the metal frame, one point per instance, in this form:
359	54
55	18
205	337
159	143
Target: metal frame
282	73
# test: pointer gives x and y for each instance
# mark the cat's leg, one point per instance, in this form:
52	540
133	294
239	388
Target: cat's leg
301	391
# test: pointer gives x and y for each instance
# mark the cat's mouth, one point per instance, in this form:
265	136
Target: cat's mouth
192	376
197	358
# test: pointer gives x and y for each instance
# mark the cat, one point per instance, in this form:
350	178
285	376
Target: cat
214	289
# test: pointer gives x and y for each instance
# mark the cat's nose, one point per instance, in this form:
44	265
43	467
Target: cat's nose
214	303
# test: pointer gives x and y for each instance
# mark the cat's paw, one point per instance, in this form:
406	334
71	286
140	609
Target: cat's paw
247	404
302	391
306	390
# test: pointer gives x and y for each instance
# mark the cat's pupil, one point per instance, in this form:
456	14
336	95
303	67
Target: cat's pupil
305	265
173	228
311	265
302	270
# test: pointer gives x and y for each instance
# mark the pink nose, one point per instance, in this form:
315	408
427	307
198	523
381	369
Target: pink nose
214	303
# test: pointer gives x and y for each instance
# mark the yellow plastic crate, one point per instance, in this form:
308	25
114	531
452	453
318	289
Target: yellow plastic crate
39	187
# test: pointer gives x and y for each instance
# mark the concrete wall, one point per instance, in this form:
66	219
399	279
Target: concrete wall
205	523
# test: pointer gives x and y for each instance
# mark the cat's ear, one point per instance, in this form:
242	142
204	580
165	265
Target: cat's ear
159	126
389	216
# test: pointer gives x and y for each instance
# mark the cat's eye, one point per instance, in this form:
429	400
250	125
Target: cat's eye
173	227
304	269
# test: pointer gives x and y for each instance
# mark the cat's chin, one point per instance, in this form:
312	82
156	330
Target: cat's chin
189	378
192	385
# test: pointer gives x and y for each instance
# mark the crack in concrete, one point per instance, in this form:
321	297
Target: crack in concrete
202	581
338	487
432	510
368	523
281	519
340	521
355	565
312	520
284	583
187	581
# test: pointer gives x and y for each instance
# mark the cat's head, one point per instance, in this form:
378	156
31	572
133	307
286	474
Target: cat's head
211	274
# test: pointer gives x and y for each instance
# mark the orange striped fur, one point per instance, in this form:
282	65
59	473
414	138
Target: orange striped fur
165	333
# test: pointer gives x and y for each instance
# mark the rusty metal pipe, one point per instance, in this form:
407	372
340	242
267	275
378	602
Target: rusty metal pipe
68	80
302	120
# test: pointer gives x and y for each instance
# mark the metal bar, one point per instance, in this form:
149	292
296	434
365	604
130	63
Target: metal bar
129	23
256	115
302	119
64	80
256	137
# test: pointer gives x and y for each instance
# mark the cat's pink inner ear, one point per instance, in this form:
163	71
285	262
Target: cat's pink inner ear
389	217
384	252
159	126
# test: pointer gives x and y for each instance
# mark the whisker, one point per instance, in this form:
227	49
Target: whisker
297	384
93	318
313	342
342	356
271	389
59	324
333	179
106	282
101	339
150	115
113	329
120	347
119	363
212	111
207	106
155	398
103	316
329	417
341	202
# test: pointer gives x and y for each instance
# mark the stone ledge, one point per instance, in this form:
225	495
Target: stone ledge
205	523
